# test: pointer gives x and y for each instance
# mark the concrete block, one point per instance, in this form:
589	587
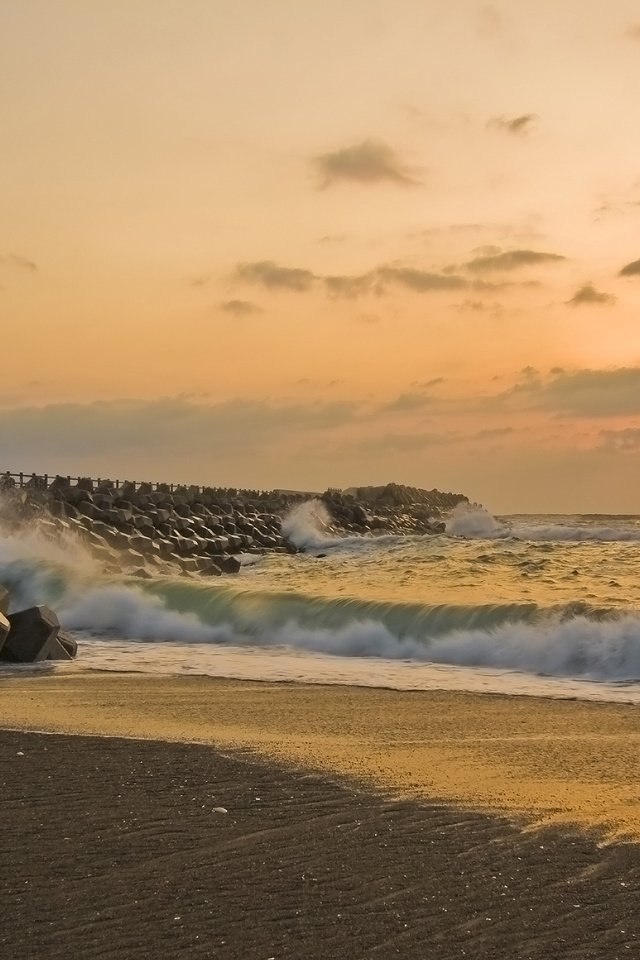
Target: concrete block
4	631
226	563
32	635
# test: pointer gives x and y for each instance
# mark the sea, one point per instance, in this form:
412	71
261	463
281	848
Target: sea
521	605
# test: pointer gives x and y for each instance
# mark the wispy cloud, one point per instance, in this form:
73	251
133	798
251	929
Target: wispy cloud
580	393
489	21
406	403
368	162
172	425
275	277
331	238
349	286
511	260
239	308
421	281
516	126
587	294
479	306
626	441
631	269
20	263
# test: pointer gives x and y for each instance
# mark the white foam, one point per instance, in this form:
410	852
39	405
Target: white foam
305	525
286	665
128	612
578	534
578	647
473	520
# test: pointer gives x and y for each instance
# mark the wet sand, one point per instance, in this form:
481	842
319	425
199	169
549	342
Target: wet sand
121	849
266	840
551	761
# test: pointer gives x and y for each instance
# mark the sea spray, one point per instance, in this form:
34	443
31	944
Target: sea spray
38	568
577	615
474	520
308	527
306	524
127	612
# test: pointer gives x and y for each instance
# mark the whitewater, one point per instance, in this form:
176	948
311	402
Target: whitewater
524	605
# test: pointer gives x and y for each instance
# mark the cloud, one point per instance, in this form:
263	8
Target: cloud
479	306
239	308
489	21
426	384
493	433
405	403
200	281
108	434
20	263
476	306
588	294
421	281
371	161
624	441
330	238
397	443
273	276
581	393
269	274
350	287
516	126
511	260
631	269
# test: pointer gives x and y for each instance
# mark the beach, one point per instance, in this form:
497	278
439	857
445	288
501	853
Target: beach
358	822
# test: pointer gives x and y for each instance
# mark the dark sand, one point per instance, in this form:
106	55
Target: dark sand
112	848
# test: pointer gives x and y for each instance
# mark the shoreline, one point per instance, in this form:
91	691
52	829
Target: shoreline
535	760
143	849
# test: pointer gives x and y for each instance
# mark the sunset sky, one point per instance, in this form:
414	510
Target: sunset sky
304	244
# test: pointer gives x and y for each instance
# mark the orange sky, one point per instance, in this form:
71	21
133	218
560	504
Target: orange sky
305	244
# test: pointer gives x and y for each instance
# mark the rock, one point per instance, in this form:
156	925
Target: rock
64	648
359	514
131	558
33	636
4	599
226	563
4	631
57	508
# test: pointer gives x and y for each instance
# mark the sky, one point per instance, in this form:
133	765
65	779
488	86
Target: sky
302	244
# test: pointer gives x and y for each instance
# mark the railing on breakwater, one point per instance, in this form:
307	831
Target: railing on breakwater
44	481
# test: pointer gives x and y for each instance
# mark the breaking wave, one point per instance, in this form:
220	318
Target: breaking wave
475	522
570	640
564	640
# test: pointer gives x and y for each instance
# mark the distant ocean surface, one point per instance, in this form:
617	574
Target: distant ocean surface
538	605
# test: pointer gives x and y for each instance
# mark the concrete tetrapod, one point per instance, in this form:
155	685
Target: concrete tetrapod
33	637
4	623
4	631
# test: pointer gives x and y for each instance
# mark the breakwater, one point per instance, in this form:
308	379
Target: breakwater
143	529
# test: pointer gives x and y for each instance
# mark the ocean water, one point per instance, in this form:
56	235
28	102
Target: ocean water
537	605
